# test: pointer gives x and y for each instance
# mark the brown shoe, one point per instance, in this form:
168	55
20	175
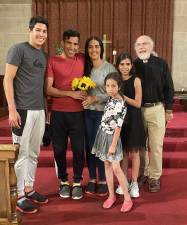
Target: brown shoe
142	180
154	185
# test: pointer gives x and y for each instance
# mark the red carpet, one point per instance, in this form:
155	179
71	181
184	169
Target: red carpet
168	207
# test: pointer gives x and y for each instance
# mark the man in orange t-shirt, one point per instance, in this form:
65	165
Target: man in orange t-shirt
67	112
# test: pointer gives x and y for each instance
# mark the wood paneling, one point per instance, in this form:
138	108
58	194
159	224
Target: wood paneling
122	20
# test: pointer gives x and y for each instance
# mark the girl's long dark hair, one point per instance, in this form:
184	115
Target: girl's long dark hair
88	62
121	57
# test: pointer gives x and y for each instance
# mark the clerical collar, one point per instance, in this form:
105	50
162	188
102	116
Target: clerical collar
145	60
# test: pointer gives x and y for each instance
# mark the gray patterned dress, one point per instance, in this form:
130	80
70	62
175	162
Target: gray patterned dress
114	114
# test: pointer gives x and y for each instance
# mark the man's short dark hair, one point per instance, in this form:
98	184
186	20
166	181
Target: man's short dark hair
70	33
37	19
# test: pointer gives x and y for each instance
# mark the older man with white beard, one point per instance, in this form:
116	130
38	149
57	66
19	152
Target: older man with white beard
157	100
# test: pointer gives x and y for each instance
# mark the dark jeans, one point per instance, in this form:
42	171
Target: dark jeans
64	125
92	122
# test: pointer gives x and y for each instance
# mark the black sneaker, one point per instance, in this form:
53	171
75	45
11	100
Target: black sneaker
64	191
77	192
24	205
102	189
36	197
142	180
91	188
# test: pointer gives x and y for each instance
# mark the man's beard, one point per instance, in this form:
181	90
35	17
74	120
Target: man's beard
144	56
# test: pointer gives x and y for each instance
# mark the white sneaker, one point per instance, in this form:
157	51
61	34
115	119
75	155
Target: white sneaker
134	190
119	190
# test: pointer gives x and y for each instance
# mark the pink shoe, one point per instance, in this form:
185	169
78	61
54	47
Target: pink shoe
109	203
127	206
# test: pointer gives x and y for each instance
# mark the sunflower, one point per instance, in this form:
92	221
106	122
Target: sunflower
83	83
75	83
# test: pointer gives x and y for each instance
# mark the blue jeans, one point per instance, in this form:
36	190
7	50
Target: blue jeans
92	122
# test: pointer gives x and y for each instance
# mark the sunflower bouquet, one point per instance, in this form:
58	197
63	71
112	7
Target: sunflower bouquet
82	83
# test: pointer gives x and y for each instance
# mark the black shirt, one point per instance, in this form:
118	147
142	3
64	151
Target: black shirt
157	84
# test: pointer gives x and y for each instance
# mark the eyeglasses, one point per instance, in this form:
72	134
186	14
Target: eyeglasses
142	44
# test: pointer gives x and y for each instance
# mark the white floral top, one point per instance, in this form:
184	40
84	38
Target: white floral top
114	114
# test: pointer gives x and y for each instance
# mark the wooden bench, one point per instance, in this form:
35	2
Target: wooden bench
8	190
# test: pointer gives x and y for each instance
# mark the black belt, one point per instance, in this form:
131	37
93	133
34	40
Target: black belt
147	105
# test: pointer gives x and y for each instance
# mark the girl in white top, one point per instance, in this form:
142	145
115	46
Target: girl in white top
107	145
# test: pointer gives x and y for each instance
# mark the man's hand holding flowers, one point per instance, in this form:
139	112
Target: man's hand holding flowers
79	95
80	86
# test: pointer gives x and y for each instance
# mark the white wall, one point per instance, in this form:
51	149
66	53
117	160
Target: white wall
14	19
179	65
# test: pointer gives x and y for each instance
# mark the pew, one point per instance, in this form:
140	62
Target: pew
8	190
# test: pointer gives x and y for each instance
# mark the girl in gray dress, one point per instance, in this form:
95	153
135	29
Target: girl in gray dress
107	145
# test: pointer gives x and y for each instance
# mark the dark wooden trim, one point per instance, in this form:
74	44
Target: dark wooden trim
3	112
3	103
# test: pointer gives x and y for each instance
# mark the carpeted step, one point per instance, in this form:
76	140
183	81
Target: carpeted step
176	144
177	100
176	132
5	131
46	158
175	159
178	107
6	140
170	159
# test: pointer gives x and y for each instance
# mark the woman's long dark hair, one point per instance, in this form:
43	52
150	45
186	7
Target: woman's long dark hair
121	57
88	62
